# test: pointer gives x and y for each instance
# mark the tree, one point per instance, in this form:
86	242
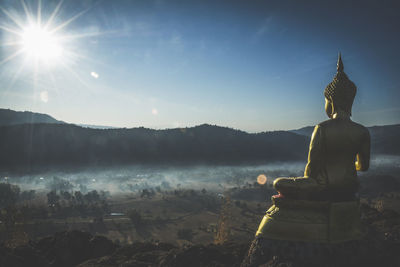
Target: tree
92	196
78	197
27	195
59	184
9	194
149	193
185	234
66	195
223	228
52	198
135	216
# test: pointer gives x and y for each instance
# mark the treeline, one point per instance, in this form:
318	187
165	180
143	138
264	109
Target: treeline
21	207
29	145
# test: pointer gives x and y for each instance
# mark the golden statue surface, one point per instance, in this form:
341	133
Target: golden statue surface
322	206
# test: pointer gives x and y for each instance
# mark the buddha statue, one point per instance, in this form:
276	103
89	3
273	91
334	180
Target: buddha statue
322	206
331	172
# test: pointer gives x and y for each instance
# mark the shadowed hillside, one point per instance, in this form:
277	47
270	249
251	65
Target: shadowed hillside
11	117
32	140
42	144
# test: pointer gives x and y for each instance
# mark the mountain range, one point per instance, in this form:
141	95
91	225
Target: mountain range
11	117
29	140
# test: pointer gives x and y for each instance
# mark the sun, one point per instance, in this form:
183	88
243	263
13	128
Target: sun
37	43
41	44
37	37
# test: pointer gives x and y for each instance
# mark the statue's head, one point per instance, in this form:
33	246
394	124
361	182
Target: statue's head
340	93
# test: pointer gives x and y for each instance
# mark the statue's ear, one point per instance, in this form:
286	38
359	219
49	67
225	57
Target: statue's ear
329	107
333	107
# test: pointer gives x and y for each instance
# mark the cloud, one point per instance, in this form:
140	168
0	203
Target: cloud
176	39
175	42
263	29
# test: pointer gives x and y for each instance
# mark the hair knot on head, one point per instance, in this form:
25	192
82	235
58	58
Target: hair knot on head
341	91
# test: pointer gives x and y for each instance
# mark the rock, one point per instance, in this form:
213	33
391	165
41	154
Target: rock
229	254
162	254
380	247
66	248
101	246
137	254
21	256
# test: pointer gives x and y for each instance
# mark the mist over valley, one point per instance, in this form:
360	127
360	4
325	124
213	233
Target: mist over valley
185	187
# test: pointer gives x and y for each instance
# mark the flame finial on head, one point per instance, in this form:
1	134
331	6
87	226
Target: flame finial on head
340	66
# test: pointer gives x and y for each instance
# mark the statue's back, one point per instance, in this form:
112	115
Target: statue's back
344	139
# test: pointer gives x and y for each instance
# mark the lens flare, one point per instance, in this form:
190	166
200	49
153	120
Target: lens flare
94	74
44	96
262	179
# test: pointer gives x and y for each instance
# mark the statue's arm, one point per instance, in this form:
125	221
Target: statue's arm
314	154
363	156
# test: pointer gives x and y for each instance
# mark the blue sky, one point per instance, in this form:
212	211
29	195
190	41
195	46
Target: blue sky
250	65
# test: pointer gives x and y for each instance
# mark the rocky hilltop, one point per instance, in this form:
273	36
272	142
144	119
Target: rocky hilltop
380	247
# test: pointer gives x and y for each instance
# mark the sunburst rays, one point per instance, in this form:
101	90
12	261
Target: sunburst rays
34	31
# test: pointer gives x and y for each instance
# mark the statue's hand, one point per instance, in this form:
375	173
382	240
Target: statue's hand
358	165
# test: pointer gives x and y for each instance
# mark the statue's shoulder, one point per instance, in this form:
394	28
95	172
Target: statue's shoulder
348	123
356	126
344	125
364	130
324	123
319	126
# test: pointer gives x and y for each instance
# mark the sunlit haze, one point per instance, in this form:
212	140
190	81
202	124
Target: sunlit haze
250	65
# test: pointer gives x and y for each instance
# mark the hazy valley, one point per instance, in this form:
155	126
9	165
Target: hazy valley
160	197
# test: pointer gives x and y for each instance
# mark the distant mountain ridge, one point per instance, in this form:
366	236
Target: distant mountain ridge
306	131
48	144
41	144
12	117
97	126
